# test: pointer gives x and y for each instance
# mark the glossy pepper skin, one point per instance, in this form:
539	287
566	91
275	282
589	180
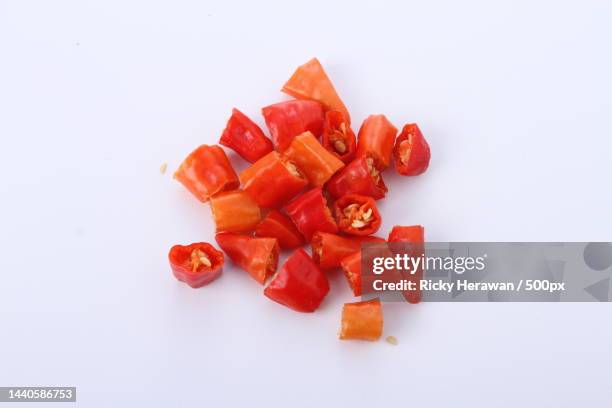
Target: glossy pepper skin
243	136
414	234
411	151
273	180
286	120
409	234
309	81
207	171
300	284
277	225
360	177
235	211
196	264
351	266
328	250
357	214
257	256
316	162
309	213
362	321
338	137
376	140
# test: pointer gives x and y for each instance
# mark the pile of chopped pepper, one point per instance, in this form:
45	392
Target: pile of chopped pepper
313	181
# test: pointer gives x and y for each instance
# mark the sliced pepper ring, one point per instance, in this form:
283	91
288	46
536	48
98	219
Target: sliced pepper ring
362	321
273	180
310	213
357	215
411	151
359	176
328	250
338	137
196	264
257	256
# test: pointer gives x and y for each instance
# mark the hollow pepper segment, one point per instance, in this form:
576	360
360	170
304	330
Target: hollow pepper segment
310	213
207	171
376	140
338	137
300	284
273	180
257	256
413	234
286	120
196	264
309	81
235	211
243	136
359	177
411	151
277	225
316	162
328	250
362	321
357	214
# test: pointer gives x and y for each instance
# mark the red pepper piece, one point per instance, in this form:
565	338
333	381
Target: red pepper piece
309	81
338	137
328	250
410	234
207	171
243	136
277	225
196	264
235	211
300	284
411	151
357	214
362	321
376	139
286	120
316	162
351	266
273	180
360	177
257	256
309	213
414	234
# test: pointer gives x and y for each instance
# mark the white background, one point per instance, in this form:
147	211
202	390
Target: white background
514	98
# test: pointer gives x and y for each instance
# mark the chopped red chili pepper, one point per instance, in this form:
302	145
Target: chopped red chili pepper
351	266
309	81
414	234
328	250
243	136
286	120
310	213
313	159
235	211
376	139
357	214
362	321
338	137
277	225
273	180
360	177
300	284
196	264
410	234
411	151
257	256
207	171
